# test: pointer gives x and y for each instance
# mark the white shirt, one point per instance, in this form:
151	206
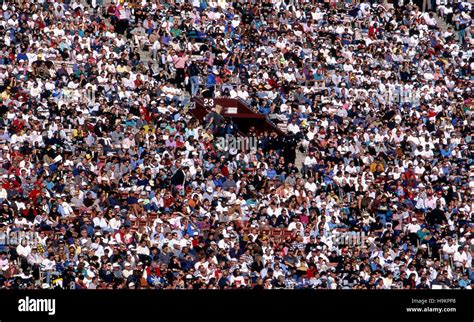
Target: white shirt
114	223
101	222
294	128
23	251
413	228
461	257
48	265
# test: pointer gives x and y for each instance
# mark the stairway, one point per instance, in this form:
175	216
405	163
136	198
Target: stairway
443	25
299	159
144	55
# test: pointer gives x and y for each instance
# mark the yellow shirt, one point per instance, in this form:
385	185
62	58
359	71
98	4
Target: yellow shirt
374	166
121	69
5	95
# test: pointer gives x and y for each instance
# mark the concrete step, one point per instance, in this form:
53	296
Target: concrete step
145	55
443	25
299	159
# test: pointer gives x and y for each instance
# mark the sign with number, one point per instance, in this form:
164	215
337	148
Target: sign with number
209	102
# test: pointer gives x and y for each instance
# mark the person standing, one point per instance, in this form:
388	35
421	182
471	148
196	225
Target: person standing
123	18
193	72
179	62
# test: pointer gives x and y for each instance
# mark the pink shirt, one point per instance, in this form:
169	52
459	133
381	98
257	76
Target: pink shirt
180	62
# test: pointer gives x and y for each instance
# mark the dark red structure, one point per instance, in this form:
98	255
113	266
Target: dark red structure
241	113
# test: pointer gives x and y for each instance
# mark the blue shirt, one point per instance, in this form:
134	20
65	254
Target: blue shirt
464	283
445	153
271	173
211	80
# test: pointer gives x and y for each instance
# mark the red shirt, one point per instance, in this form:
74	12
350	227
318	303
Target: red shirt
372	32
225	171
156	269
33	195
311	272
168	201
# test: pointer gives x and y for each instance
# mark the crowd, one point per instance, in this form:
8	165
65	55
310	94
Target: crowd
111	183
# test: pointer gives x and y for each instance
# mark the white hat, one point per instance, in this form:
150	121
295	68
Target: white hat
209	189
